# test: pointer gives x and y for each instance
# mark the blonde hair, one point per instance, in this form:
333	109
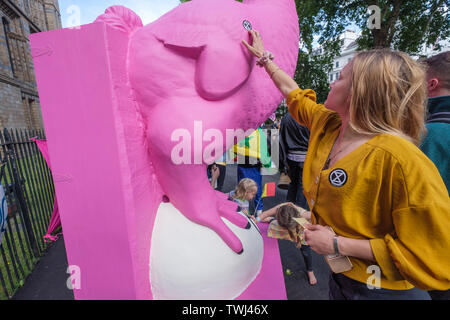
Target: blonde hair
244	185
388	94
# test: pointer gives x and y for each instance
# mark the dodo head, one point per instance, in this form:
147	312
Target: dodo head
197	48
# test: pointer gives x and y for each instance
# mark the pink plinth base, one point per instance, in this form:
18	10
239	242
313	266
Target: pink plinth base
107	193
269	284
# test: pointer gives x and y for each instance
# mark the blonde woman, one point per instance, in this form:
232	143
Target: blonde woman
244	192
365	177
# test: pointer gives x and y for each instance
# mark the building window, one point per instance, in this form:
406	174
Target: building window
19	53
6	30
337	64
331	77
28	113
337	75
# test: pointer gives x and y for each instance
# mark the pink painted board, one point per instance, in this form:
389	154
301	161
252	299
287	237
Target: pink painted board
269	284
101	195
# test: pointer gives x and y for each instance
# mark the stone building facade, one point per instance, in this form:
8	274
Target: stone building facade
19	100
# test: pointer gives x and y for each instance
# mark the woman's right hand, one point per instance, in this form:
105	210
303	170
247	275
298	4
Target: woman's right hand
257	47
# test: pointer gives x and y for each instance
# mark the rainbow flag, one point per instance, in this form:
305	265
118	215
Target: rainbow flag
255	145
269	190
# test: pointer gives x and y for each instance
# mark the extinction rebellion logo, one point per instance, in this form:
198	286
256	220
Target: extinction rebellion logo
338	177
247	25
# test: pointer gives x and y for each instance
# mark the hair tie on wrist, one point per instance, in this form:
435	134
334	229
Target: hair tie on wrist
265	58
258	219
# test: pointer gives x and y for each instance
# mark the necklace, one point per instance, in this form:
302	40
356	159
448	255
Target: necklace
330	158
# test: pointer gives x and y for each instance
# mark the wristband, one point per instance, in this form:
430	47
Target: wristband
335	243
258	219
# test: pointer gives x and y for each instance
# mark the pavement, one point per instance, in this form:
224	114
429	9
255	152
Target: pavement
49	278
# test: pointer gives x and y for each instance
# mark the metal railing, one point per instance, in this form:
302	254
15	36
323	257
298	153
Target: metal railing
29	191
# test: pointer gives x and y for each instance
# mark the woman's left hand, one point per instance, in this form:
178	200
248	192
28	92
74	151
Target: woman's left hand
320	239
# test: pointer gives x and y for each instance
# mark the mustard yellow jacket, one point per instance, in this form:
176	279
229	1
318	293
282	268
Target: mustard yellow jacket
386	191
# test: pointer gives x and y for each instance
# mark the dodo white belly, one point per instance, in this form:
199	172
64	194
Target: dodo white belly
190	261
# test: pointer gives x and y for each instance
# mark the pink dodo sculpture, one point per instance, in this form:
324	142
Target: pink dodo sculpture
132	117
188	71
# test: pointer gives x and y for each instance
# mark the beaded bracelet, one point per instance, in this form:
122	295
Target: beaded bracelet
265	58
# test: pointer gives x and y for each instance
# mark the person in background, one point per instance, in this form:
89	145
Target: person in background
250	170
215	174
283	226
220	168
293	147
436	144
244	192
253	153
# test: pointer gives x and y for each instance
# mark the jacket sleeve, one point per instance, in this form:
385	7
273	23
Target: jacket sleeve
418	249
304	108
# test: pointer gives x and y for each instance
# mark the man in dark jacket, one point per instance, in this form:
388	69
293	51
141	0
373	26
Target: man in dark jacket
293	147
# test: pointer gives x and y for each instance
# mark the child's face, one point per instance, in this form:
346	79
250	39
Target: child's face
250	195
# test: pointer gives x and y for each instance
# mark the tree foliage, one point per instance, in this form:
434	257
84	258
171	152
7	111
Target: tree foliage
405	25
312	68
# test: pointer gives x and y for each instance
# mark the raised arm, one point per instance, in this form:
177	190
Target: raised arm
280	78
302	103
269	213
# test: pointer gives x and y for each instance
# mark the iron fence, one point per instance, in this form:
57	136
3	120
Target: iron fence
29	191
